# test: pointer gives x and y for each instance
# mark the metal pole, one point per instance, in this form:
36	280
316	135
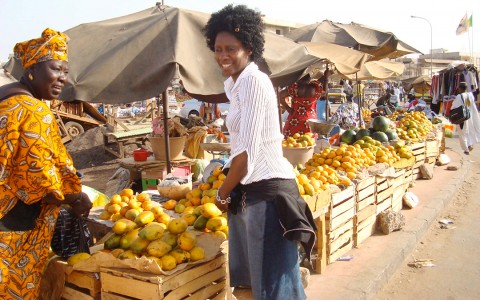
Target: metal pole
431	43
165	126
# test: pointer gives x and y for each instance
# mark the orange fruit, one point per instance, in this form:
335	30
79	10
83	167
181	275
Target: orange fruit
127	192
170	204
116	199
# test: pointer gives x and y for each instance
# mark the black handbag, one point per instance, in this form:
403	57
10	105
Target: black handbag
459	114
71	235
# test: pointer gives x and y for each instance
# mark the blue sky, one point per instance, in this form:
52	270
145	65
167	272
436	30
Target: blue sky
25	19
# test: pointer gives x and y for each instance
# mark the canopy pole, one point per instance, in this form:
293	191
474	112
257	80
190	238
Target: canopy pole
279	108
325	85
165	131
360	102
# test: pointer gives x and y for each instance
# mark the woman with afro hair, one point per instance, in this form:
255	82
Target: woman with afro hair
266	214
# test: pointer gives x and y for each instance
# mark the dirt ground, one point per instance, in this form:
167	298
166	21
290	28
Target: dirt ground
452	249
91	160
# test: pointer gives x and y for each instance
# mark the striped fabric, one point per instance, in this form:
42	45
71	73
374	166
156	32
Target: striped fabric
254	127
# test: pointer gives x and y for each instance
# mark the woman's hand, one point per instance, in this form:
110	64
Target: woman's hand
81	207
221	198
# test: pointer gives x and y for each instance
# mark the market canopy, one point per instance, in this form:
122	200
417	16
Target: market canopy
379	70
135	57
421	84
380	44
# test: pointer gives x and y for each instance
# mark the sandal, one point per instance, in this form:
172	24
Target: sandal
470	148
466	152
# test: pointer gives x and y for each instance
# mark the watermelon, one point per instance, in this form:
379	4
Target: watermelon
391	134
380	123
380	136
348	137
361	133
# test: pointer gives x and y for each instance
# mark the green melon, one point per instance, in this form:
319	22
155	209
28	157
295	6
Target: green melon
380	136
380	123
348	137
391	134
361	133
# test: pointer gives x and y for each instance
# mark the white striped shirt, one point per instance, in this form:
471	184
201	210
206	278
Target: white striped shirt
254	127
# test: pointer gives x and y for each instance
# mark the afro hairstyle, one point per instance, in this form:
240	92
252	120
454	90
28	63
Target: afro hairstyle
242	22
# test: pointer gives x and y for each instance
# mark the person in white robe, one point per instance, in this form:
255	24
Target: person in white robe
468	131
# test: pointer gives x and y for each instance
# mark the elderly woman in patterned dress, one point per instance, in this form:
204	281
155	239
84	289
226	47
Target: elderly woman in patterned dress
36	172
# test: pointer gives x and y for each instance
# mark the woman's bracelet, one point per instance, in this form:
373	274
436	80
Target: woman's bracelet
223	201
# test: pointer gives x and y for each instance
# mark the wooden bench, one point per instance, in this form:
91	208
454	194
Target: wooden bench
120	139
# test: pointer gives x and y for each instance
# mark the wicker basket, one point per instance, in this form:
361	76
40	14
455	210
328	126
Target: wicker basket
176	147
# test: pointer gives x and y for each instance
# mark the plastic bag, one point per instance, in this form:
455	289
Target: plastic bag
71	235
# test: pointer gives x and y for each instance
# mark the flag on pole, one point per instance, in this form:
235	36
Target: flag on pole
463	26
470	21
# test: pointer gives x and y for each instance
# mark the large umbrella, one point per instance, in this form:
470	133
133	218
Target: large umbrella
379	70
421	84
380	44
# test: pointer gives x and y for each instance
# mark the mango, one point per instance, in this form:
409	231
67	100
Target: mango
127	239
122	226
210	210
190	218
77	257
139	245
186	241
117	252
180	256
197	253
170	239
200	223
216	223
144	218
158	248
152	231
127	254
168	262
177	226
112	242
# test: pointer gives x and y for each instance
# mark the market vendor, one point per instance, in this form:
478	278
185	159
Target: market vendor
36	172
346	115
267	217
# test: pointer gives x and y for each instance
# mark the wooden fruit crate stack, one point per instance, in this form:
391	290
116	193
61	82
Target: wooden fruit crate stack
400	183
80	285
383	195
418	151
339	223
204	281
365	217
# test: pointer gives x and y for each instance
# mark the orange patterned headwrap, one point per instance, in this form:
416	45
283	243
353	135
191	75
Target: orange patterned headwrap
52	45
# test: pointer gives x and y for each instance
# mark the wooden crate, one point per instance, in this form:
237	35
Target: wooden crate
397	197
80	285
365	192
432	148
398	177
205	281
319	201
339	241
366	227
339	224
341	209
418	150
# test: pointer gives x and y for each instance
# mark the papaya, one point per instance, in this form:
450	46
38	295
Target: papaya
112	242
77	257
186	241
127	254
210	210
170	239
152	231
144	218
158	248
168	262
127	239
122	226
139	245
216	223
180	256
117	252
200	223
177	226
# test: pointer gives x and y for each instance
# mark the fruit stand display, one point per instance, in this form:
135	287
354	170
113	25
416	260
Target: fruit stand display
173	249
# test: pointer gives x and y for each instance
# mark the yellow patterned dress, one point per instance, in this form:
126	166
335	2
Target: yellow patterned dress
33	162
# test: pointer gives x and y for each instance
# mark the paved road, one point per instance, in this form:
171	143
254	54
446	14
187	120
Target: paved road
454	251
